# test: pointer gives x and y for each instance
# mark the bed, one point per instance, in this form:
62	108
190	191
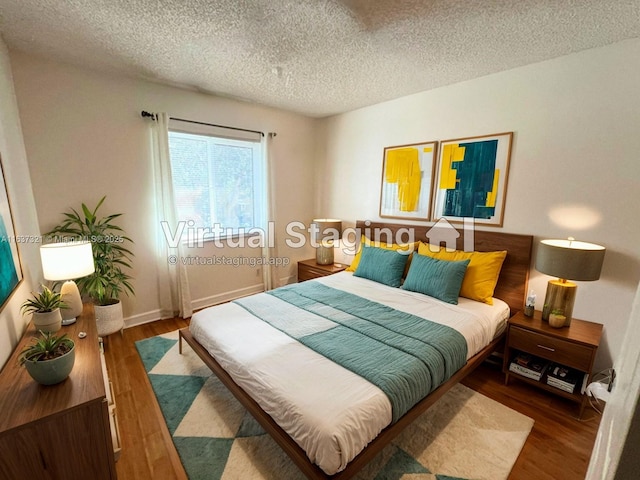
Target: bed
331	418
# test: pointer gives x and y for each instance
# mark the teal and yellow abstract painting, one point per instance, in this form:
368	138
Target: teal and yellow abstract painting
407	178
472	178
10	273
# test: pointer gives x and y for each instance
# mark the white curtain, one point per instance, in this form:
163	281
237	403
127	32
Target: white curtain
269	252
173	283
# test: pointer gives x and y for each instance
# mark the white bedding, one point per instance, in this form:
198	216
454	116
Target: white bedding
329	411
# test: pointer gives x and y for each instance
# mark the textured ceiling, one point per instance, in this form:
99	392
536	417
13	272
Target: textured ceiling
316	57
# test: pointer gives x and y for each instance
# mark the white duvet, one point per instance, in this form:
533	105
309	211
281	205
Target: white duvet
329	411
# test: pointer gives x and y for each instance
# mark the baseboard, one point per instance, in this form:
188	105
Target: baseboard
226	297
143	318
289	279
199	304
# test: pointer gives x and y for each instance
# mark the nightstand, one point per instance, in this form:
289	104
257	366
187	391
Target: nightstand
309	269
574	347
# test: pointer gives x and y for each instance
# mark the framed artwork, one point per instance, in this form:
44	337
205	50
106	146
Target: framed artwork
10	270
407	180
471	179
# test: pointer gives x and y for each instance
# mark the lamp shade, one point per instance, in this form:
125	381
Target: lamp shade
327	229
66	260
570	259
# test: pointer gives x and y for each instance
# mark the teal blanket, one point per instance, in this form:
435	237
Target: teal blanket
406	356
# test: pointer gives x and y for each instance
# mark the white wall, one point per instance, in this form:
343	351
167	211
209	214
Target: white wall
576	144
25	220
85	138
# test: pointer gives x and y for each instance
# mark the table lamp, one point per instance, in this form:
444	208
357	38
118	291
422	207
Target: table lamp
67	261
568	260
327	231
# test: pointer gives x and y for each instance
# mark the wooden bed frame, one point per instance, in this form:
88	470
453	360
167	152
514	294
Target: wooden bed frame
511	287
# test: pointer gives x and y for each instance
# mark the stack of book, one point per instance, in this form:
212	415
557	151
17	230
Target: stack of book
528	366
564	378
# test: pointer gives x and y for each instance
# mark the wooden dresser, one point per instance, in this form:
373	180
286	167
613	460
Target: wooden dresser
60	431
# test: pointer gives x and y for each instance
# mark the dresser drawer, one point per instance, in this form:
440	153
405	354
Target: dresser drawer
115	433
554	349
308	273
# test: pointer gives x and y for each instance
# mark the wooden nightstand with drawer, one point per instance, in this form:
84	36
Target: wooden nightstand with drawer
309	269
574	347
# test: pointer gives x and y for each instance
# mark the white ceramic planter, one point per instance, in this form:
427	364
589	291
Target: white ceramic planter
109	318
47	321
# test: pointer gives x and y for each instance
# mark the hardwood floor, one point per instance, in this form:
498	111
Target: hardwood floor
147	449
559	446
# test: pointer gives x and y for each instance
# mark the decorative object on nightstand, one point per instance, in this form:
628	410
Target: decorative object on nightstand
309	269
557	319
327	231
68	261
530	304
568	260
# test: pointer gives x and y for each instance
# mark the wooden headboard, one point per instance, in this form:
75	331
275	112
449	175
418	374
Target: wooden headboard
512	284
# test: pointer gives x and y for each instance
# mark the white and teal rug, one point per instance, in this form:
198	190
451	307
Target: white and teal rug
465	435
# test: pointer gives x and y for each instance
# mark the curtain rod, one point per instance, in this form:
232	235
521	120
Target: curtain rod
144	113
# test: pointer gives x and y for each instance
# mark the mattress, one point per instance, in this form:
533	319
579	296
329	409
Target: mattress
330	412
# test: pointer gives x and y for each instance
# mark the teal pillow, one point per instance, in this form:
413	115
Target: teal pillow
440	279
381	265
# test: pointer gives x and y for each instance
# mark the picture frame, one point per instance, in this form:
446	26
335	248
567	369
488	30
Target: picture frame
471	179
407	180
10	267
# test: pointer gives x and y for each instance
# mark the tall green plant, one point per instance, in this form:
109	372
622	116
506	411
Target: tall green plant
111	256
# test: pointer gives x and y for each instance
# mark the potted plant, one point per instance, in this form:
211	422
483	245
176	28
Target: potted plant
112	259
557	318
45	309
49	359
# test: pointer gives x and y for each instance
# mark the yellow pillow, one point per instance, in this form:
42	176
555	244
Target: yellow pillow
409	247
482	272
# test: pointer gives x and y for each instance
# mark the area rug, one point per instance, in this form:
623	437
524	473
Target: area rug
464	435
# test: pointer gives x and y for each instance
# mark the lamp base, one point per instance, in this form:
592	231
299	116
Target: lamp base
558	302
70	296
324	254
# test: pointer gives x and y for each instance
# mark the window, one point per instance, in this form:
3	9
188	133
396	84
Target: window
218	183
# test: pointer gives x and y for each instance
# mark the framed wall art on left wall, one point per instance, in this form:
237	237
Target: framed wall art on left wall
10	268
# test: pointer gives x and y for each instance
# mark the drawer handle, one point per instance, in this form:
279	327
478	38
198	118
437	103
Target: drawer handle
547	348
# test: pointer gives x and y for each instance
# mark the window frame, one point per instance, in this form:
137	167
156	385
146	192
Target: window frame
207	234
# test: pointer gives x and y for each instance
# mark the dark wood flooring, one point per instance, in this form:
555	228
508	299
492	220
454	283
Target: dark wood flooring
559	446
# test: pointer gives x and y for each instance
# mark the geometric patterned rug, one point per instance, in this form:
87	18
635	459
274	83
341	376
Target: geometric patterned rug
464	435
